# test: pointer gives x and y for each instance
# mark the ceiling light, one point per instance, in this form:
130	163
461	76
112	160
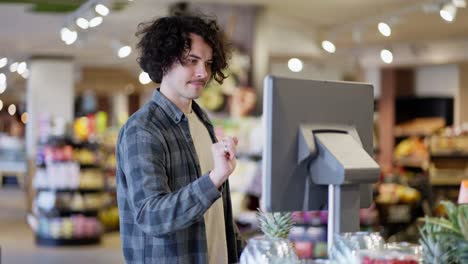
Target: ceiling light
24	117
101	9
295	65
144	78
1	104
12	109
384	29
25	74
386	56
21	68
82	23
328	46
68	36
124	51
3	62
63	33
13	67
448	12
95	21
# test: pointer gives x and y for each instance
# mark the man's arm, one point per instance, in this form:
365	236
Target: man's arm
158	210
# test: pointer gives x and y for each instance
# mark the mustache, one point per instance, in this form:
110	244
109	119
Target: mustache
199	81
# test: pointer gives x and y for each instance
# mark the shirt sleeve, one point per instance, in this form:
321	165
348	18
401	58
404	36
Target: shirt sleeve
156	209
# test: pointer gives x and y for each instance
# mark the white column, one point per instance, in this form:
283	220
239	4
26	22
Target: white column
260	60
119	108
50	90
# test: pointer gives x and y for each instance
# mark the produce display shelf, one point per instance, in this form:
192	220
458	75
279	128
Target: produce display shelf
81	190
48	241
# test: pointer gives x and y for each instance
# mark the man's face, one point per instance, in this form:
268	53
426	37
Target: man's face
188	79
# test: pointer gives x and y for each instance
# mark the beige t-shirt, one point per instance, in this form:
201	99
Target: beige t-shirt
214	217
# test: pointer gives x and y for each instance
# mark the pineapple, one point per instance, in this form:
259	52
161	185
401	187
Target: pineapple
439	235
275	225
437	244
274	247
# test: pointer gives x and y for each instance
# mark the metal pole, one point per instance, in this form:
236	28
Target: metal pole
334	217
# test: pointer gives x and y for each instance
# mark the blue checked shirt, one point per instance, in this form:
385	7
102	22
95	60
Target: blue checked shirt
161	193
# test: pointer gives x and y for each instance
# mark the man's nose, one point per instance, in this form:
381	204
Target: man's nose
201	71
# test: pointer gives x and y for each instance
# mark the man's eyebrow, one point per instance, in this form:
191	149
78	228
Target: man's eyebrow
198	57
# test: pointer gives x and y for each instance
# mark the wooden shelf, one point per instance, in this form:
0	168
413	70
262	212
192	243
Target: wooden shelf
411	162
450	156
48	241
68	212
446	181
70	190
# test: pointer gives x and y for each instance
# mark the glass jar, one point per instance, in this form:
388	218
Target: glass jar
347	245
267	250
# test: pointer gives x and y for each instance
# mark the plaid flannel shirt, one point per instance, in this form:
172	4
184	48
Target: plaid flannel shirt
161	193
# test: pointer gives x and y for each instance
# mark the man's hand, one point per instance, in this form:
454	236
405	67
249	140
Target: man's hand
224	156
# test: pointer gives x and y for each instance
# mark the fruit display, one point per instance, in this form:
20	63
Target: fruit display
109	218
452	140
420	126
412	151
69	186
55	202
391	193
310	241
85	156
109	215
91	179
388	258
65	175
75	227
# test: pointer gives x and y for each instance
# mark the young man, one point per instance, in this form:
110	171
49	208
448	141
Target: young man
172	187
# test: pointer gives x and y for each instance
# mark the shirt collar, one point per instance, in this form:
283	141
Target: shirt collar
173	111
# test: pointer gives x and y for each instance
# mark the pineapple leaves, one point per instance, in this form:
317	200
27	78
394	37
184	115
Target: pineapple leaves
439	235
275	225
463	220
452	211
441	224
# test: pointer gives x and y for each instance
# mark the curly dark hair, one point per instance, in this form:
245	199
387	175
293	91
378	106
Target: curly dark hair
166	40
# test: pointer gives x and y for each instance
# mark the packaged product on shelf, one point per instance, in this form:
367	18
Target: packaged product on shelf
387	257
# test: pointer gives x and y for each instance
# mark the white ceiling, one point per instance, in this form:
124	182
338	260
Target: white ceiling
294	27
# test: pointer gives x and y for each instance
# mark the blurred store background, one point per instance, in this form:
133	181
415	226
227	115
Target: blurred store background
69	79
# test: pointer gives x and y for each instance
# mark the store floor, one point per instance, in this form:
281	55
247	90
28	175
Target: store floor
18	246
